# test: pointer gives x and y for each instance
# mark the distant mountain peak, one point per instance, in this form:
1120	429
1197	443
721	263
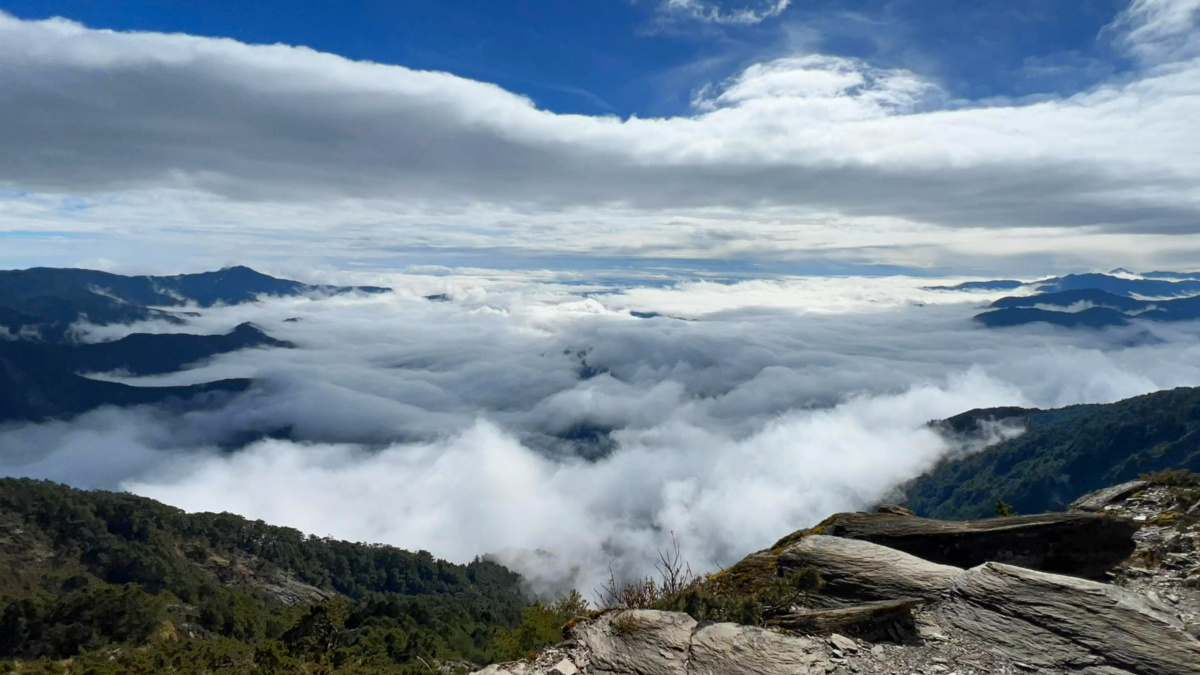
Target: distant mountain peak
242	270
1098	301
62	296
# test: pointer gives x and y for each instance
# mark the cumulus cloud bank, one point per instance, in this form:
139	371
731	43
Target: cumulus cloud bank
553	428
801	155
259	122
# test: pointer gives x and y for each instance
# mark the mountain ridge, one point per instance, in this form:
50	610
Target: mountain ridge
82	571
42	363
1061	454
54	297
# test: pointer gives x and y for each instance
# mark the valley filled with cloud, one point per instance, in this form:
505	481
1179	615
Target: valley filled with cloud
568	429
607	328
396	337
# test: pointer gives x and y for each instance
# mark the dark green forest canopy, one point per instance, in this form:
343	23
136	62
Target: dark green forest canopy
1062	455
83	570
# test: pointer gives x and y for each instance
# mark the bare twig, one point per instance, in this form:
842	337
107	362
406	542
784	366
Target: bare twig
674	575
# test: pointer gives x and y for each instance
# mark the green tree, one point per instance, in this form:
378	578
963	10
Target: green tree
541	626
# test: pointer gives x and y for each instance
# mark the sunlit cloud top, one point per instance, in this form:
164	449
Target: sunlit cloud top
210	145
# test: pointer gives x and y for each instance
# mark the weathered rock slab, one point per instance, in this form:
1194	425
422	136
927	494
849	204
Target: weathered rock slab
636	642
1076	543
730	649
646	642
882	620
1055	621
1096	501
862	570
894	510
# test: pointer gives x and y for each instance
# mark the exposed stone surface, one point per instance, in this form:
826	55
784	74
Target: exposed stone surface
729	649
894	510
882	620
1096	501
647	642
549	662
1076	543
962	634
1055	621
994	618
843	643
863	570
1166	563
637	641
255	572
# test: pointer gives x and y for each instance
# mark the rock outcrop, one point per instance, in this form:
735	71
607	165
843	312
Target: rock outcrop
1096	501
1055	621
639	641
880	620
730	649
886	609
1075	543
1166	563
860	570
648	642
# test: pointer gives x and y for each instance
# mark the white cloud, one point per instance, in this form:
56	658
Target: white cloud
832	89
713	12
466	427
1159	31
170	137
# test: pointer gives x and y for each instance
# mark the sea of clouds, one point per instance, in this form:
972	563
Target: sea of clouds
544	423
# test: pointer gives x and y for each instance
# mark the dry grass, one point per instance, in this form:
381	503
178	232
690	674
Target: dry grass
626	624
674	576
749	593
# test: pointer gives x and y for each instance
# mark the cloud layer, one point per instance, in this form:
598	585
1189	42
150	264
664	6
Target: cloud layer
276	122
162	138
548	425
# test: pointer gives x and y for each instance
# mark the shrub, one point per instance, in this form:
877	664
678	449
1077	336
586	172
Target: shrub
715	602
674	576
1173	478
541	626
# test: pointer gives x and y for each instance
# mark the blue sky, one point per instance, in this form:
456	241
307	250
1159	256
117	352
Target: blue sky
997	137
623	57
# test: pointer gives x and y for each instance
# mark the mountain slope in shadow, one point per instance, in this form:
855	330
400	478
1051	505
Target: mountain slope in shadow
1061	455
43	296
35	385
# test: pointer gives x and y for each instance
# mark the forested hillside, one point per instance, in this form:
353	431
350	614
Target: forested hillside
1062	454
119	583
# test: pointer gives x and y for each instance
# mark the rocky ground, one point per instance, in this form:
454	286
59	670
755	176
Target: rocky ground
1166	565
1004	595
